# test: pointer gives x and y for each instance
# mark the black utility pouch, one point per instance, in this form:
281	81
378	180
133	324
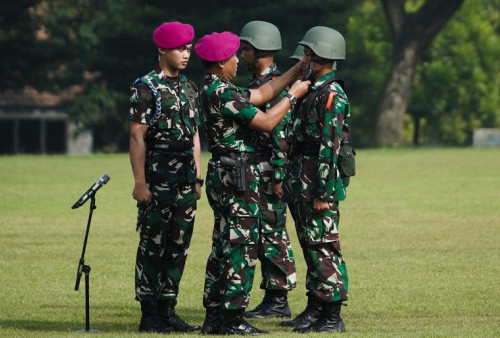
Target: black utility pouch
347	162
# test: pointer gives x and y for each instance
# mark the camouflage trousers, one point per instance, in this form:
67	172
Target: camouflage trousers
319	239
166	228
275	249
231	264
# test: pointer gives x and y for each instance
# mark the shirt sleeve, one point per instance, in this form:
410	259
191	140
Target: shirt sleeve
279	145
141	101
236	105
330	106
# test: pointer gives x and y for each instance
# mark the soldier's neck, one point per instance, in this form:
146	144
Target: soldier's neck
263	64
169	71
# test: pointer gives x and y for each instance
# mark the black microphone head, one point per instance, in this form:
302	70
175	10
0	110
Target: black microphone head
104	179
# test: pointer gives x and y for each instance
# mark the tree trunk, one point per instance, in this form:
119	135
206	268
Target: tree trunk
412	32
394	97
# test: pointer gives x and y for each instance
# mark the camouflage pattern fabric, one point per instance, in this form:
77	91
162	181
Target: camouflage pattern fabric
275	249
318	236
231	263
166	224
179	115
310	176
166	228
227	114
317	176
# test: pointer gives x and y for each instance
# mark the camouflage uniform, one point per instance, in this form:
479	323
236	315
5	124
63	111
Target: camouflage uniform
231	264
275	250
312	172
166	224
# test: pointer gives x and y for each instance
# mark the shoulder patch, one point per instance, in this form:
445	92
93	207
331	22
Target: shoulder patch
329	101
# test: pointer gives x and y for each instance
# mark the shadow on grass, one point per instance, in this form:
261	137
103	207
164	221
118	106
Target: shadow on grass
104	318
60	326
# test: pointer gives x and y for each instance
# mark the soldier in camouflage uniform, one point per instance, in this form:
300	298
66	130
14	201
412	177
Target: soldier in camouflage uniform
165	158
232	120
313	185
259	42
298	53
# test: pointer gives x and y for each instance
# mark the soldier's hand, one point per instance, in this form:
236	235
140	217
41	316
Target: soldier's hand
299	88
319	205
198	191
277	189
142	194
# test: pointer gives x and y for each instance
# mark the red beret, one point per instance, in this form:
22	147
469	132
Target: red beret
173	34
217	46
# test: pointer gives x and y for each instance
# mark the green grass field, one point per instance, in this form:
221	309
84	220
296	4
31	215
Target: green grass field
420	232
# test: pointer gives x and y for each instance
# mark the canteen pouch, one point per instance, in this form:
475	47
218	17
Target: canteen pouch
347	162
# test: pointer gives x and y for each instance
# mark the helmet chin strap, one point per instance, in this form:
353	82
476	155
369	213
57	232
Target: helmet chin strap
308	71
251	66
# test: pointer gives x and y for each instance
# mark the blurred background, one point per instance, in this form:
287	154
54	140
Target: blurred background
417	73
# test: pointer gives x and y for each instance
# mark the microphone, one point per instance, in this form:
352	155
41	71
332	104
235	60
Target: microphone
91	192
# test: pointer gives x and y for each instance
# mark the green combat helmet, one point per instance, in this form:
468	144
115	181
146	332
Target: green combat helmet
298	54
325	42
261	35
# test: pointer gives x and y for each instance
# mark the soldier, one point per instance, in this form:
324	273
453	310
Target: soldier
259	42
313	184
298	54
232	120
165	159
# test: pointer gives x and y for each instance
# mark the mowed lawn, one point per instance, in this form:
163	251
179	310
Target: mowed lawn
420	232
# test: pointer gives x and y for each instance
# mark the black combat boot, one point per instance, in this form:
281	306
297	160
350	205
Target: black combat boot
151	320
274	305
213	321
310	314
329	321
167	313
234	323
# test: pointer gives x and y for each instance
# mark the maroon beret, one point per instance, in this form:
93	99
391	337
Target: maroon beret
217	46
173	34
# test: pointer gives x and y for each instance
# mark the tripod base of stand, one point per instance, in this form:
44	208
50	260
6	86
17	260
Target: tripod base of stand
89	331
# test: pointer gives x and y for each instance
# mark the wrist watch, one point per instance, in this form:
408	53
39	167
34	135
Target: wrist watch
200	181
293	100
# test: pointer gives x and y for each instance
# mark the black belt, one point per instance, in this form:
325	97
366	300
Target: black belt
252	158
265	152
176	146
304	148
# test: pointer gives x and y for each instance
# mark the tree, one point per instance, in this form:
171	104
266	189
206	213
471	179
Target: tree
457	85
18	44
412	33
125	50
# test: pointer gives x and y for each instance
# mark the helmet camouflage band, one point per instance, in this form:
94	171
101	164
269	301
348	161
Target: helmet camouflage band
325	42
261	35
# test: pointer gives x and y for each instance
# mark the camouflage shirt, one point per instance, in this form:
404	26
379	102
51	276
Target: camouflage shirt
227	114
275	141
178	116
317	176
169	107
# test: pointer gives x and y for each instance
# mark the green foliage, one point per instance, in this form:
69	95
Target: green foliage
420	238
457	85
368	59
105	45
18	47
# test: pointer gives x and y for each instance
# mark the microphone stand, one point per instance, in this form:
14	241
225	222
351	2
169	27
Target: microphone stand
82	268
